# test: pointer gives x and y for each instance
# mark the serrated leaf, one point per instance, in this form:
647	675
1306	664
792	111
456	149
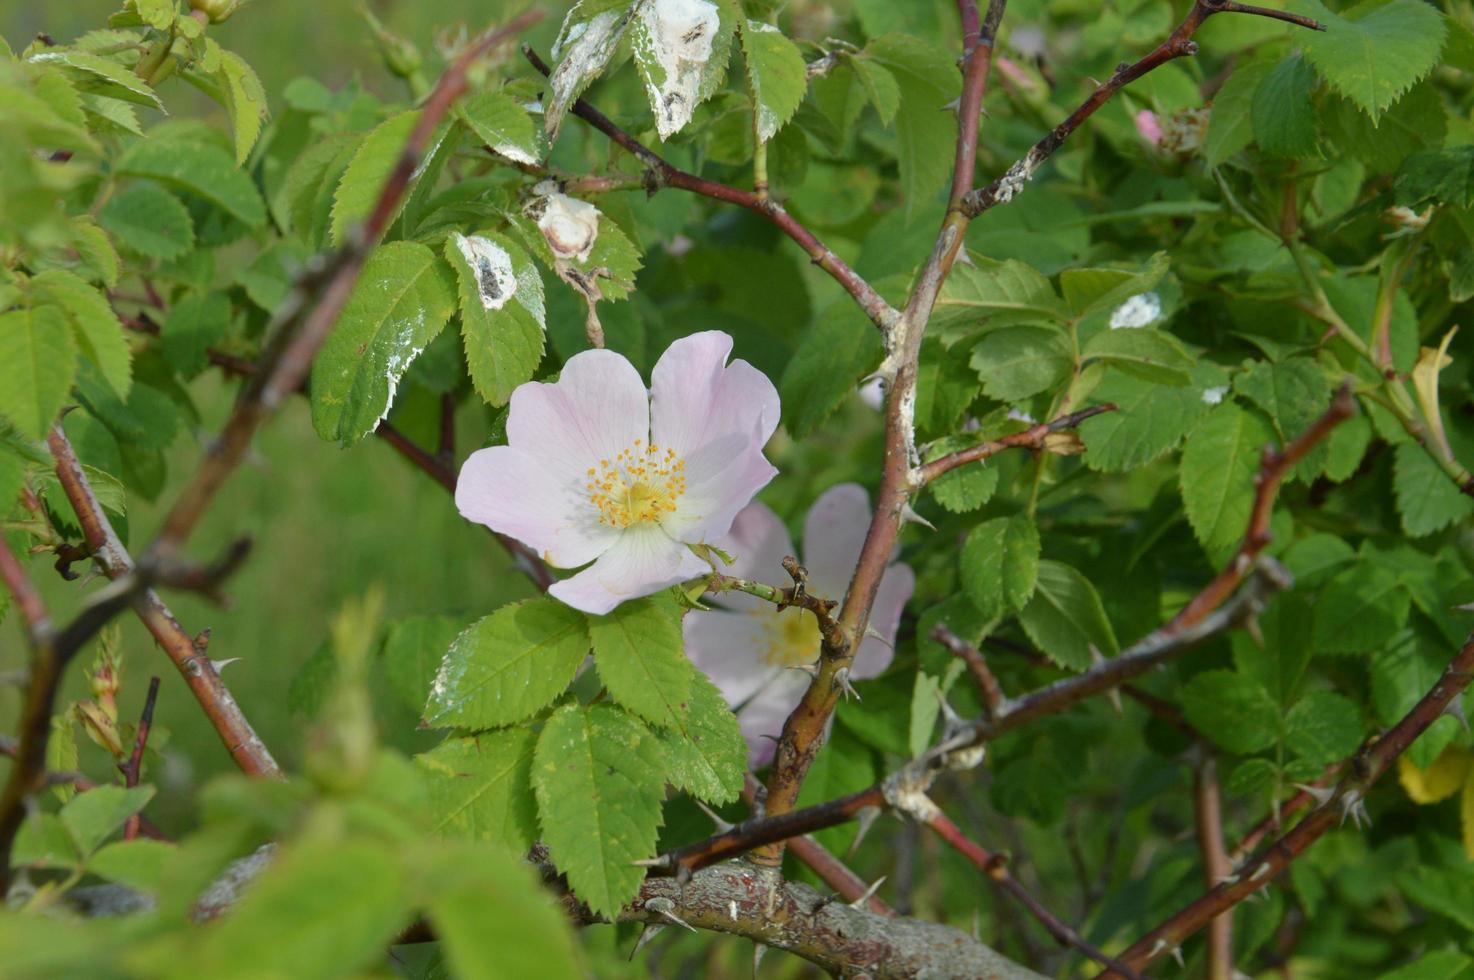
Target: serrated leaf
95	252
1283	113
412	652
202	169
1360	609
1277	654
1230	126
839	349
1148	354
1446	176
374	160
1235	712
1149	420
880	87
1427	500
403	298
925	131
640	657
681	49
1000	563
245	101
481	787
148	220
38	360
502	312
587	40
776	75
99	74
1088	291
1219	462
599	781
1018	362
508	666
500	122
12	478
98	332
1374	59
1065	617
1323	728
92	817
705	752
1004	293
193	325
158	14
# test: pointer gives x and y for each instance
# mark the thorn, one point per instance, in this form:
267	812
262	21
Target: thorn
842	681
1353	805
953	106
1177	955
866	819
1321	794
811	669
659	861
649	932
666	909
872	634
860	902
1226	880
220	665
722	825
909	516
1455	709
758	952
1260	872
1157	947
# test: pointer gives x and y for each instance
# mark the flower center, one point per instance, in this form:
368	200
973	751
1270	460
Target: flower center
793	639
640	484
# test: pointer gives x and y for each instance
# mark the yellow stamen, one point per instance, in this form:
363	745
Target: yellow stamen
640	486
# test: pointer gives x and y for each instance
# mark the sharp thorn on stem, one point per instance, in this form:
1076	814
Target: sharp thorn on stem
666	909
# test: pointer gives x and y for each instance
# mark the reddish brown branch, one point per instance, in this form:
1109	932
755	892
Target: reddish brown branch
1208	806
1178	45
660	173
1344	802
133	769
1278	815
993	698
1032	438
27	599
995	868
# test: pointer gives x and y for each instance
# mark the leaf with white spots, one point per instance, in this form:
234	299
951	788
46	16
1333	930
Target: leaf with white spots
599	781
403	298
508	666
587	41
502	312
500	122
681	48
1089	290
776	75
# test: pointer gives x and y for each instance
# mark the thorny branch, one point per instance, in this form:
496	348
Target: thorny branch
1034	438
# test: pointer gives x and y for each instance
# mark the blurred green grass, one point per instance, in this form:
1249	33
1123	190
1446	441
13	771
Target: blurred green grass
327	523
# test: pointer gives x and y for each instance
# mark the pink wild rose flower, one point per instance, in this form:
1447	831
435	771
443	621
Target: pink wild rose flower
747	647
597	469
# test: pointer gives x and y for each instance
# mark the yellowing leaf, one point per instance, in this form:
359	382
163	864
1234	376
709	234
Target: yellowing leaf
1439	781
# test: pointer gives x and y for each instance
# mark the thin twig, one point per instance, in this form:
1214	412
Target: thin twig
1033	438
994	701
133	768
1208	806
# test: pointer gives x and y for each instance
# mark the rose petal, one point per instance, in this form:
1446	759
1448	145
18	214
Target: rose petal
597	407
721	479
642	561
895	591
763	717
696	399
729	648
834	532
514	492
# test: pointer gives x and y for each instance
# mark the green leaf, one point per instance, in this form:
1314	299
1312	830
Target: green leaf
1427	499
1149	420
193	325
1283	112
244	99
202	169
508	666
411	655
1219	463
1065	617
1323	728
833	355
159	14
502	312
999	564
1148	354
102	75
964	488
1004	293
925	130
95	252
363	182
681	51
925	707
776	75
481	787
1276	656
1374	59
1293	393
1017	362
641	660
880	87
138	864
1089	291
1443	964
1232	710
589	37
1230	126
1360	609
1445	176
502	124
148	220
497	921
38	360
12	478
44	841
403	298
97	330
705	752
92	817
599	781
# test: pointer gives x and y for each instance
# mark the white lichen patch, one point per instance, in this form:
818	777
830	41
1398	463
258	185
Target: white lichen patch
401	356
495	280
569	226
673	42
583	49
1212	396
1017	176
1141	310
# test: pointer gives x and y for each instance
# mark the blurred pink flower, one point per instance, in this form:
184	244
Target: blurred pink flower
1148	127
597	469
746	647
